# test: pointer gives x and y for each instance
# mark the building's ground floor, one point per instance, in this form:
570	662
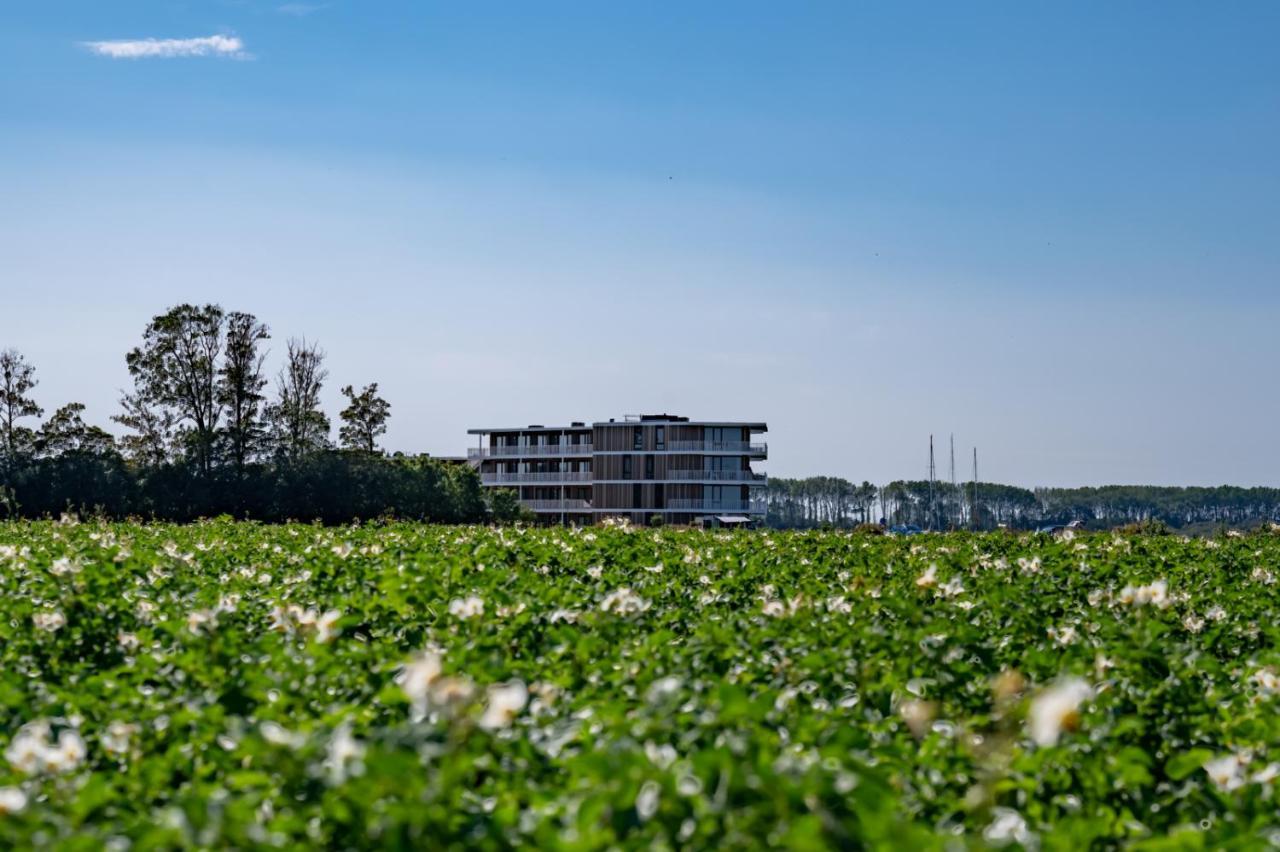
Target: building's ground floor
679	504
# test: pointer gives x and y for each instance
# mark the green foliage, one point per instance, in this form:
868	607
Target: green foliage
236	685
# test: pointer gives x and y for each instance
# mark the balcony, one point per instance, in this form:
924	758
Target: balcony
536	478
754	507
557	505
545	450
742	476
743	448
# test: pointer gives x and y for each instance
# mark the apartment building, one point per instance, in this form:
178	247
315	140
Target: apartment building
639	467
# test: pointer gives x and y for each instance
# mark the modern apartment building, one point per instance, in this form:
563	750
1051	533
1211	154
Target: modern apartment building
686	472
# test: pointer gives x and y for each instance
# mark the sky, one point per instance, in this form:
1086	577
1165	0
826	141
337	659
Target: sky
1049	230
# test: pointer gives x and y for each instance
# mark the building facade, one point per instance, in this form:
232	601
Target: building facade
636	468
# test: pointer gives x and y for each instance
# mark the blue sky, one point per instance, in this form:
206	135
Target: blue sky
1047	228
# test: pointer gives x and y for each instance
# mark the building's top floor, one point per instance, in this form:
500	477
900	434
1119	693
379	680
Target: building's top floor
581	427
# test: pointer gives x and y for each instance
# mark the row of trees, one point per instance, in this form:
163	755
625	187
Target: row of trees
206	435
831	501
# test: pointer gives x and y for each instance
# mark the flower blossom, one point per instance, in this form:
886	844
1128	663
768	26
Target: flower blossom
1057	709
505	701
623	601
468	607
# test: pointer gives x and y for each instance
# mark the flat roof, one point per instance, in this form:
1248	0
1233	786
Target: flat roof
752	425
584	428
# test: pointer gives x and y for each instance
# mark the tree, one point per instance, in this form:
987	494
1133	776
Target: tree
297	424
17	378
364	419
150	444
66	432
176	368
240	385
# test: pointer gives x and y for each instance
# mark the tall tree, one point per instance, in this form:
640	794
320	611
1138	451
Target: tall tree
176	368
17	378
240	385
364	419
298	425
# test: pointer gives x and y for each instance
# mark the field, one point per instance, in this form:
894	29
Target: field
403	686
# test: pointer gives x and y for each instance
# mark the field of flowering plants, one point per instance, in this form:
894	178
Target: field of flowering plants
400	685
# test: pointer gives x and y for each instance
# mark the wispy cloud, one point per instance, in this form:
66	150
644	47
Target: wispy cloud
168	48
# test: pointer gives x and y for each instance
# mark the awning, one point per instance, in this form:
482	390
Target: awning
733	519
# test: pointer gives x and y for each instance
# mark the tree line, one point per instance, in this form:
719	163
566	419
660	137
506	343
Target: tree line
206	432
832	501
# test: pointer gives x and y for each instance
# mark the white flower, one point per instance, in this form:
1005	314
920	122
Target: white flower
277	734
118	737
623	601
327	626
1216	613
1057	709
345	755
1267	680
62	566
1063	636
647	800
469	607
1007	826
201	620
342	551
67	754
25	752
12	800
506	700
929	578
451	693
951	588
416	677
50	620
1267	774
1227	772
1193	623
654	569
663	688
127	641
774	608
568	616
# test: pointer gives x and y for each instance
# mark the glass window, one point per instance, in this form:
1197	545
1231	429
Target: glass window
660	437
648	467
626	467
637	438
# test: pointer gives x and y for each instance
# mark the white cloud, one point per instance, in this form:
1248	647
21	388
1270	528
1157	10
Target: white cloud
165	48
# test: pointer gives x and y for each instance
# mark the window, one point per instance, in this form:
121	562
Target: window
636	496
626	467
648	467
660	437
637	438
659	497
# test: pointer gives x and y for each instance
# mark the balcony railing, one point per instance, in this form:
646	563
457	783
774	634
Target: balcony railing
545	450
727	447
718	476
748	506
541	477
557	505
